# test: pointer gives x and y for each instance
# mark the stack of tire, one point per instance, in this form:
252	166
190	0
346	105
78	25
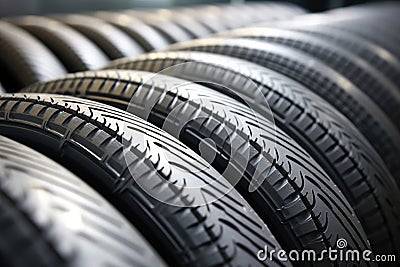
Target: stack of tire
38	48
223	151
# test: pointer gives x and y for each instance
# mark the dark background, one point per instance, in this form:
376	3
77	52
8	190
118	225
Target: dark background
25	7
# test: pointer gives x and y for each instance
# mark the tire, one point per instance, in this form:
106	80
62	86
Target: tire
376	56
24	60
49	217
168	29
283	204
106	145
322	80
327	135
74	50
145	35
364	76
112	41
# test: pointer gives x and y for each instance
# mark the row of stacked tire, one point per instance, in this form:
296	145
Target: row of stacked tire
37	48
279	136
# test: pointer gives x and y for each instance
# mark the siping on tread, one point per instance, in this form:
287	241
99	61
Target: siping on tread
49	217
319	78
103	144
327	135
297	200
114	42
74	50
24	60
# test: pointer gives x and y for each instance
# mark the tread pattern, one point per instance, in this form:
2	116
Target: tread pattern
363	75
93	140
297	200
330	138
322	80
114	43
145	35
49	217
24	60
75	51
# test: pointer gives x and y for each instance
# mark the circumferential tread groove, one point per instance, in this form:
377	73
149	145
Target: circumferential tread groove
78	128
337	145
218	117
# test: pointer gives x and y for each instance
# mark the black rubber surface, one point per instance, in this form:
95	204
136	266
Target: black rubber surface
24	60
145	35
74	50
49	217
326	134
114	42
113	151
363	75
296	199
321	79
